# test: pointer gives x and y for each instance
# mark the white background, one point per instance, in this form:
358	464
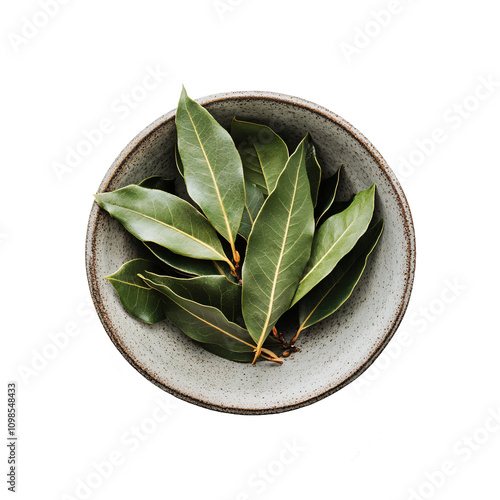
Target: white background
431	397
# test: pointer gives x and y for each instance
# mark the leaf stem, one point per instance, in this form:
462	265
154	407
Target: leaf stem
235	269
301	327
270	356
258	350
231	266
236	254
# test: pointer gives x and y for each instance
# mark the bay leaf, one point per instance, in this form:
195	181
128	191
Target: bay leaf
165	219
188	265
337	207
278	249
330	293
263	152
157	182
212	168
239	357
326	196
246	357
215	291
178	161
335	238
313	169
203	323
254	199
140	301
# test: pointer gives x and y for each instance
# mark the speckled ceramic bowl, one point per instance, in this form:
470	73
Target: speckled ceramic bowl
333	352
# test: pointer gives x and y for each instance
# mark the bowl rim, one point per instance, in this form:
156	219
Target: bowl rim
262	95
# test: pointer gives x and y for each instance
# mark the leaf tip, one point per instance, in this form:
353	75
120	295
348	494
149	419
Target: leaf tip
98	199
183	96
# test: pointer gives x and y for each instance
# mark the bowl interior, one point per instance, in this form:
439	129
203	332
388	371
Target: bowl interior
334	351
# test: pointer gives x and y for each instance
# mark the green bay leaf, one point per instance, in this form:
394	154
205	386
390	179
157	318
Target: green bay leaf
313	169
239	357
335	238
203	323
165	219
254	199
215	291
326	196
158	182
337	207
178	161
212	167
188	265
263	152
246	357
140	301
278	249
328	295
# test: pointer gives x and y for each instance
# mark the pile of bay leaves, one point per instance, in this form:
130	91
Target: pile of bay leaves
260	234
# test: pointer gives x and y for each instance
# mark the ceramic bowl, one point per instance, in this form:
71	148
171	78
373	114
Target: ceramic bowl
333	352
